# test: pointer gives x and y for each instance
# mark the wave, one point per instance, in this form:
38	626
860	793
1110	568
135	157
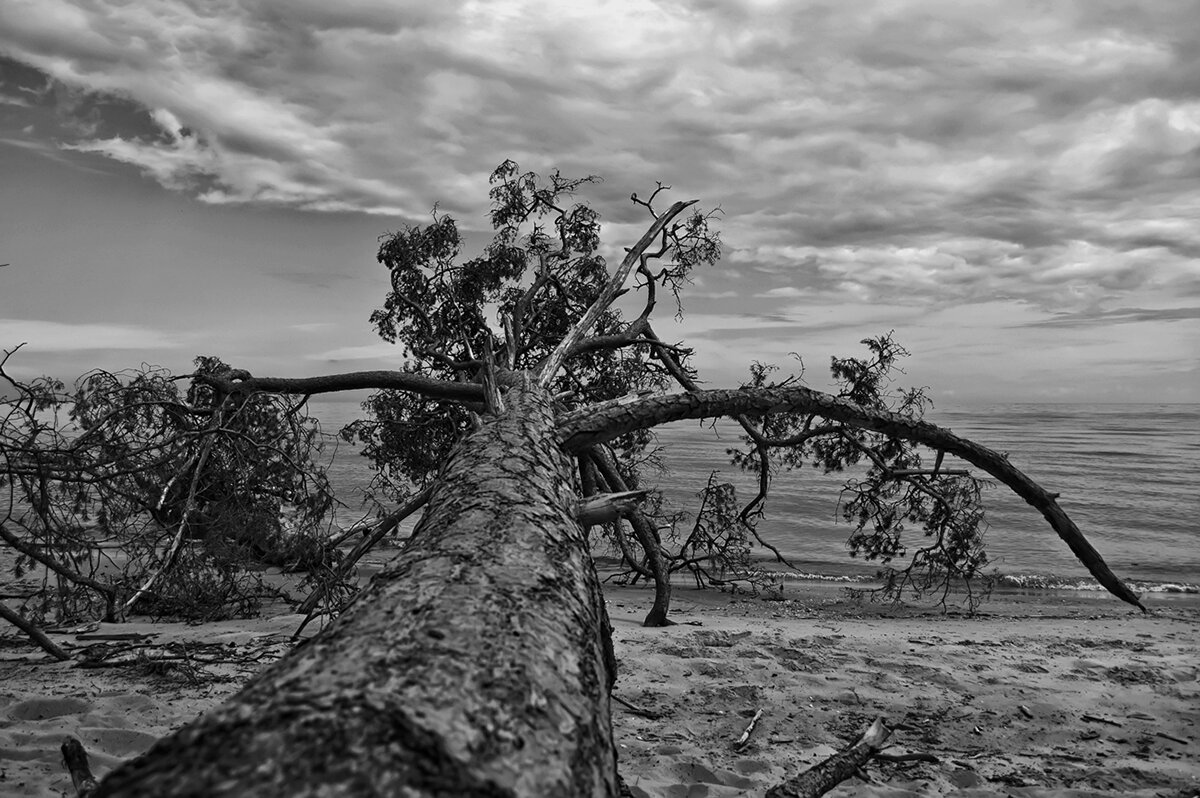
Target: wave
1047	582
1052	582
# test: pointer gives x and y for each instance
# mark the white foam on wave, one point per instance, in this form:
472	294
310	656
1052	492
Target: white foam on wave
1011	581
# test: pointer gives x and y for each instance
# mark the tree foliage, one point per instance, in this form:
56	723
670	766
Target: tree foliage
112	483
511	305
889	487
508	307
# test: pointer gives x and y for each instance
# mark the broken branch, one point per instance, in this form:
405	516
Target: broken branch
606	507
824	776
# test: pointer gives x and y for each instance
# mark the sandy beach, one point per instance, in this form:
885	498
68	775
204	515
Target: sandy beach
1036	695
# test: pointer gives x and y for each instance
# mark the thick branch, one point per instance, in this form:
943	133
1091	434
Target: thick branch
824	776
594	425
554	360
604	508
35	634
76	760
606	466
34	552
376	380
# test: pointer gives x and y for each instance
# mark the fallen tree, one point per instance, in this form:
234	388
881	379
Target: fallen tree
479	661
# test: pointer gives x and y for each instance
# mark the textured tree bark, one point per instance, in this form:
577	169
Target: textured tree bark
479	662
76	761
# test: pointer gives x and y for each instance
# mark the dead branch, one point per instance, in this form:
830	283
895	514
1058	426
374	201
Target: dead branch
553	362
241	382
188	508
824	776
606	467
382	528
35	553
76	761
635	709
744	740
35	634
1098	719
607	507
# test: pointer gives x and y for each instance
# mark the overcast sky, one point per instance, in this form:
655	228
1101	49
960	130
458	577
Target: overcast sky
1014	188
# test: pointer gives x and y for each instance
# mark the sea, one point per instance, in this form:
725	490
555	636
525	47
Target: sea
1126	473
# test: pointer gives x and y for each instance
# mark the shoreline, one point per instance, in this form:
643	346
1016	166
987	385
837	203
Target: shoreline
852	574
1059	695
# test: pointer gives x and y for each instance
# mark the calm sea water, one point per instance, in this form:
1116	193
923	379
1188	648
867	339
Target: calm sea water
1126	475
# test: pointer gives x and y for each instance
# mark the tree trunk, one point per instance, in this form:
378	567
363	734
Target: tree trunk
479	662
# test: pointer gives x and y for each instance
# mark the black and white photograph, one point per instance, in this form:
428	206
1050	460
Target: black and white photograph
647	398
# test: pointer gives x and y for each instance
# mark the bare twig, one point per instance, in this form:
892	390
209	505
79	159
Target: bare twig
188	508
744	740
382	528
634	708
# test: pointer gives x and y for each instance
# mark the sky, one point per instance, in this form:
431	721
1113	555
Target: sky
1012	187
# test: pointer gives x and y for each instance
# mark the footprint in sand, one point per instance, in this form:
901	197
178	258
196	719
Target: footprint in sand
44	708
119	743
697	780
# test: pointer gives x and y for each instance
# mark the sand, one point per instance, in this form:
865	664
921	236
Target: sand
1038	695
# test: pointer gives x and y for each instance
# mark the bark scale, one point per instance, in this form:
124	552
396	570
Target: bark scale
479	662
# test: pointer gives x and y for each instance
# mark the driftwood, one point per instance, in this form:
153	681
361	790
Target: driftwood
824	776
1098	719
75	758
603	508
635	709
1172	738
35	634
744	740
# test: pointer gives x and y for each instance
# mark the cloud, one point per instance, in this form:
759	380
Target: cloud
52	336
46	151
911	154
783	291
1119	316
381	351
